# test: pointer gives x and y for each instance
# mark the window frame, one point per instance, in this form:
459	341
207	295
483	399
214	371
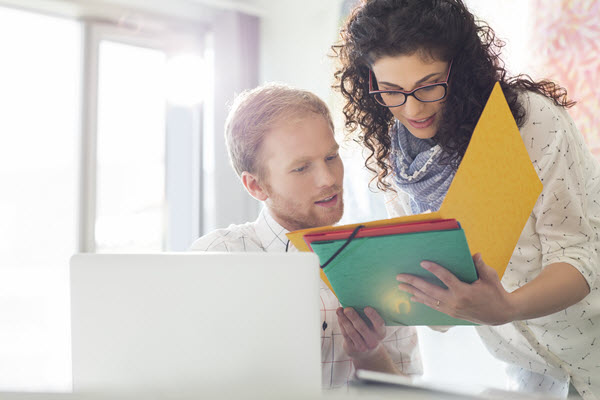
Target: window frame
178	198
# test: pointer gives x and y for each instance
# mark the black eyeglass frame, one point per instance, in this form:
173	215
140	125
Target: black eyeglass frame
444	84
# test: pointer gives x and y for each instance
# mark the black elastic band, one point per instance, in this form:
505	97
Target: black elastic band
343	246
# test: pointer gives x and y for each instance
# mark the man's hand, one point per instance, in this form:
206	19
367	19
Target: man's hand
484	301
360	339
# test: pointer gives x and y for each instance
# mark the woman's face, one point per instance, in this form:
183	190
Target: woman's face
406	73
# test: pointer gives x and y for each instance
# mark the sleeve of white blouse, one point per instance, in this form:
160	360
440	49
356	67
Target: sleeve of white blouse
568	208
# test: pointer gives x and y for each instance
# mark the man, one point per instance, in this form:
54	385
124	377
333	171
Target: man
281	143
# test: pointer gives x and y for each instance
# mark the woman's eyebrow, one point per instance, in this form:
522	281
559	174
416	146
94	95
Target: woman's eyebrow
416	83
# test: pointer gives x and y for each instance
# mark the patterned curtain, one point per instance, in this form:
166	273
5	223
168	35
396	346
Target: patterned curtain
566	48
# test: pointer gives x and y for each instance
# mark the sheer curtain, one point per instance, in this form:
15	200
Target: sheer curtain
236	43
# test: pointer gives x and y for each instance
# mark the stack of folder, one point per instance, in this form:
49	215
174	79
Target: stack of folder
364	272
492	195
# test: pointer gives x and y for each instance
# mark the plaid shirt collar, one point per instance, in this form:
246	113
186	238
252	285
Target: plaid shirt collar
270	233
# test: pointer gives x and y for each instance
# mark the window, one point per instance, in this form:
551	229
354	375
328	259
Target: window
104	157
143	175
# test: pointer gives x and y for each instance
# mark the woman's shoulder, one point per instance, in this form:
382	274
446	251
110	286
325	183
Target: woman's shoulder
549	131
538	107
544	119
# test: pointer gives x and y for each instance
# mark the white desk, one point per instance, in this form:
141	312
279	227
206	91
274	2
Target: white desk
352	392
364	393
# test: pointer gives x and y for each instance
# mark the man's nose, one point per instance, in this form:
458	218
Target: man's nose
325	176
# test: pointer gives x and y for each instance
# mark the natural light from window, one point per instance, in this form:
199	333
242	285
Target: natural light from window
186	80
131	206
39	99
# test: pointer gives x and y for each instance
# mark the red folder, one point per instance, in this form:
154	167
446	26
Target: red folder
421	226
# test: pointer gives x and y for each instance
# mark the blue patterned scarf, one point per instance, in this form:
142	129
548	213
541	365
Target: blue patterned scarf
417	170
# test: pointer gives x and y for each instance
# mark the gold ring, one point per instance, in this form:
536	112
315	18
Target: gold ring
437	304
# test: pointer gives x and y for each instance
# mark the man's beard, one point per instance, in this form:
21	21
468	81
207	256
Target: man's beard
291	213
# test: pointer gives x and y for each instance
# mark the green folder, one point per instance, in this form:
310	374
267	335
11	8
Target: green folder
364	273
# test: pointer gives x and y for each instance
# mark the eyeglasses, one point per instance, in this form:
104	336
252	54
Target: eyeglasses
425	94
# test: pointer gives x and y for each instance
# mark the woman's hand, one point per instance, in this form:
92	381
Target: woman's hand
361	340
484	301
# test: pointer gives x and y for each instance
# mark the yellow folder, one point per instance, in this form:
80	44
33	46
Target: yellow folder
492	194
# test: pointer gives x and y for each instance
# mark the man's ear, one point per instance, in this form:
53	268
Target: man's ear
253	186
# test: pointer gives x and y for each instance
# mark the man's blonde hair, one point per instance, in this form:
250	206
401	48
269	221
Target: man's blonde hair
255	112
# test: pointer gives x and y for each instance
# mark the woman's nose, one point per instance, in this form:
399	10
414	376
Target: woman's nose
412	108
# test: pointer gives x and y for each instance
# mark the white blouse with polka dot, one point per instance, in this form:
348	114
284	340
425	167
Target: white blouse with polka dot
563	228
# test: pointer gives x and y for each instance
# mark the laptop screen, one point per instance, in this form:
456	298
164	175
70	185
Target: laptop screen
193	323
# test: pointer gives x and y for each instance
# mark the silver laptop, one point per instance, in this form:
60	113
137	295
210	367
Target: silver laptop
201	325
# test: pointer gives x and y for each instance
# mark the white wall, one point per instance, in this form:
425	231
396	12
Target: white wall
508	19
295	40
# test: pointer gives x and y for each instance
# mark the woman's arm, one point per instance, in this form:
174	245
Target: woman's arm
557	287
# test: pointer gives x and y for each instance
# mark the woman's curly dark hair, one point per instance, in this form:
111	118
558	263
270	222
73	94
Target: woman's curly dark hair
438	29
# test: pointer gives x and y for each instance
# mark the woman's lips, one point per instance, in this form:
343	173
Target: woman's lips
421	124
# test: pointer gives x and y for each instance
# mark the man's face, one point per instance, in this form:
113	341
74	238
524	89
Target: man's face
303	173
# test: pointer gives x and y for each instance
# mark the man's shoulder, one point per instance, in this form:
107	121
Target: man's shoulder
233	238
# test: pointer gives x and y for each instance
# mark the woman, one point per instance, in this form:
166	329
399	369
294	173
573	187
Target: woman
416	75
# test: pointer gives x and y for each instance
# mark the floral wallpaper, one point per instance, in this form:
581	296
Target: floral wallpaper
565	46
